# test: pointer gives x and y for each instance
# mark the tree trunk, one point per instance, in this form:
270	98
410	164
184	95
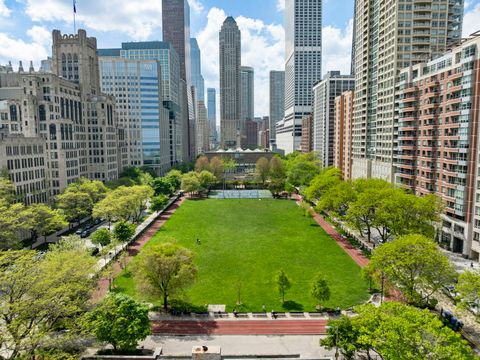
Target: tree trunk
165	302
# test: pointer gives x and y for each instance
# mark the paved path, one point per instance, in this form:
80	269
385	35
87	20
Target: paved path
134	249
351	250
240	327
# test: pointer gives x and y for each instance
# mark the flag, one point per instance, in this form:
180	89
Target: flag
75	6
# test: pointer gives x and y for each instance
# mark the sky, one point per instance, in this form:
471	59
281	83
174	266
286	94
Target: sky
26	25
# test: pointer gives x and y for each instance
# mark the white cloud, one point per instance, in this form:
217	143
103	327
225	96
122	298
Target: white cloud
16	49
337	48
136	18
4	10
262	49
196	6
280	5
471	21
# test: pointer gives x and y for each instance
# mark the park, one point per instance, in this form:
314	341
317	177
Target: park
240	245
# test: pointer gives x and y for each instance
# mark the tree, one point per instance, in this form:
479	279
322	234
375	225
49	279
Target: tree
119	321
75	205
94	188
7	190
40	295
217	167
44	221
202	164
283	284
123	231
414	264
262	169
322	182
158	203
395	331
13	220
102	237
163	186
302	168
164	270
319	289
207	180
191	183
277	169
337	199
175	177
468	288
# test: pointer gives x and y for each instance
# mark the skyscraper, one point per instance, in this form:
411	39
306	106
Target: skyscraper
277	102
324	94
388	37
212	115
303	68
176	31
247	97
230	60
196	62
146	77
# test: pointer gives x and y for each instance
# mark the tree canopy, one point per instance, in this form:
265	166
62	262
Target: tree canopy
395	331
119	321
164	270
414	264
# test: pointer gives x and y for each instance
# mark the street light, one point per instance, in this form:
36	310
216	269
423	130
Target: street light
336	340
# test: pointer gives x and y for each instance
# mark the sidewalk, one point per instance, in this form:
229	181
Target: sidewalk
134	248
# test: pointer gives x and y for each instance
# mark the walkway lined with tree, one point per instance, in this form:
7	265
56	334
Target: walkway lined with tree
351	250
116	267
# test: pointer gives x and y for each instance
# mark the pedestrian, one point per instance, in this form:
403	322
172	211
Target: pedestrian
235	314
471	264
198	241
274	314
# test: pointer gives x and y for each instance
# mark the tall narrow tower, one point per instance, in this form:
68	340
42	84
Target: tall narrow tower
303	67
176	31
230	60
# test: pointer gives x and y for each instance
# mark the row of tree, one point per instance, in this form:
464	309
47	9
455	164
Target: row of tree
368	204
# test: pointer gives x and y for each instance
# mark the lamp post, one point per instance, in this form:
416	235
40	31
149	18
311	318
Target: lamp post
336	340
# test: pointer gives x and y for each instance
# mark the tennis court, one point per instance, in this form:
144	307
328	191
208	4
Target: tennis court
240	194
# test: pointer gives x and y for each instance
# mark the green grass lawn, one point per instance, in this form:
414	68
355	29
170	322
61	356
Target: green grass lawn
246	242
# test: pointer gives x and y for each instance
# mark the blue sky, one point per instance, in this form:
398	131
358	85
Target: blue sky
25	30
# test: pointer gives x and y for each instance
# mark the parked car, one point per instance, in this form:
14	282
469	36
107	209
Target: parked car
85	234
79	231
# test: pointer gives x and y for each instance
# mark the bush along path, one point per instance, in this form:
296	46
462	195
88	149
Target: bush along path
103	283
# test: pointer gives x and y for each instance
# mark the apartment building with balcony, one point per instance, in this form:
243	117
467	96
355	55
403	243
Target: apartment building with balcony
342	147
437	107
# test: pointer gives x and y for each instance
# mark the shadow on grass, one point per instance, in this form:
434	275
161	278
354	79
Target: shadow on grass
291	305
314	225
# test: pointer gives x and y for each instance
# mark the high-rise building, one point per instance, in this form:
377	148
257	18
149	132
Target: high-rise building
438	140
247	97
324	94
203	130
306	144
251	129
343	133
212	116
58	126
277	102
145	78
196	62
230	89
303	68
176	31
388	37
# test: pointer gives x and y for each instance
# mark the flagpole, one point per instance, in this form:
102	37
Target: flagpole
74	17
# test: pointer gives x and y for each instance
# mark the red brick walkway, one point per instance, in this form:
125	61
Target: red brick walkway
351	250
134	249
240	327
